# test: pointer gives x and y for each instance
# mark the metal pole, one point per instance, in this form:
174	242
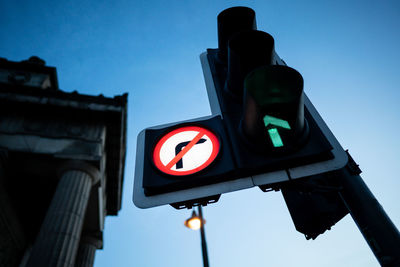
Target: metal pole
375	225
203	240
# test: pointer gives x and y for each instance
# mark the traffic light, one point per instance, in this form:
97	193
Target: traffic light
264	131
268	117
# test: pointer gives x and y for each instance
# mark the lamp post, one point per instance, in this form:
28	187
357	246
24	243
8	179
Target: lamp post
197	222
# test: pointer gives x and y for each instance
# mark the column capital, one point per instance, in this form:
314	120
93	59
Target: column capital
79	165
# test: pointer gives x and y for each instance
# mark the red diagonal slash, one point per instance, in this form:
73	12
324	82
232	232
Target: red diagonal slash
185	150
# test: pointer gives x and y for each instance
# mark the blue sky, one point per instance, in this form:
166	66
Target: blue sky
347	52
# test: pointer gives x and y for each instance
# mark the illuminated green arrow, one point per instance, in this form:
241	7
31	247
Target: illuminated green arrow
273	132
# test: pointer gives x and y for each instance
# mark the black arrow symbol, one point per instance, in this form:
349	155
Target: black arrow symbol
180	146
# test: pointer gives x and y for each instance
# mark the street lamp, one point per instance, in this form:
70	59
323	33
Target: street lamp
197	222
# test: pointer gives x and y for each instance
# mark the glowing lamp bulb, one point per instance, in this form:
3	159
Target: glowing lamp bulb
194	222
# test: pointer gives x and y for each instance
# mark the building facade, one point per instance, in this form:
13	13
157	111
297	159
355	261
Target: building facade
62	158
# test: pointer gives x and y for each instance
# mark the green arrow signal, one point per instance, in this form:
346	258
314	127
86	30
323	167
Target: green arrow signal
273	132
276	121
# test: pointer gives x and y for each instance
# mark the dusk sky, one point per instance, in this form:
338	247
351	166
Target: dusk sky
347	52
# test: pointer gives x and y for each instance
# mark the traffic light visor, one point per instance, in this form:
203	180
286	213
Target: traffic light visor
275	85
273	106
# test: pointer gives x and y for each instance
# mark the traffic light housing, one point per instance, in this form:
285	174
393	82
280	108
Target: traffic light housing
261	100
314	204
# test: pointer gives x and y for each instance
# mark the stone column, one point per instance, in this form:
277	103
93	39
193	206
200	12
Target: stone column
87	251
59	235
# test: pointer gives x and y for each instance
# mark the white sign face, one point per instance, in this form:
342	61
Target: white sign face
186	150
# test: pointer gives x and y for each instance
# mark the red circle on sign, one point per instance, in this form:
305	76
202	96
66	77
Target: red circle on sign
172	137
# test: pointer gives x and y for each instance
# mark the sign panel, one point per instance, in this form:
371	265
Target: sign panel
186	150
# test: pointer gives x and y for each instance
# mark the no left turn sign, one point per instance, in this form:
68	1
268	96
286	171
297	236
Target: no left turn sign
186	150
